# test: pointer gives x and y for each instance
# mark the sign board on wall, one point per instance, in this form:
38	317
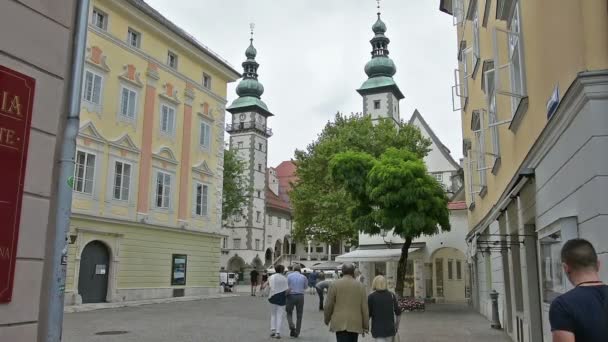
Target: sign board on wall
16	99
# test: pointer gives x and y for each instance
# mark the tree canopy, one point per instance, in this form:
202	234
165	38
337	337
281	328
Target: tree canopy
235	186
392	192
321	204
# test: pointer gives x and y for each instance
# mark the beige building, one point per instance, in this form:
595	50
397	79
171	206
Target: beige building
36	42
532	90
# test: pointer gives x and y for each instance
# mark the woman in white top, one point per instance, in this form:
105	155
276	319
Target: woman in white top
277	298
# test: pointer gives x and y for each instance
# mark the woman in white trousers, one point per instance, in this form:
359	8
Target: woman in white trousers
277	298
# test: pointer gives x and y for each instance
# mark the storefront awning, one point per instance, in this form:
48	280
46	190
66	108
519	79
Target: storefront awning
373	255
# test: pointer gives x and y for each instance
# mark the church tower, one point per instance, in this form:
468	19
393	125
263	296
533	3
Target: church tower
380	93
249	135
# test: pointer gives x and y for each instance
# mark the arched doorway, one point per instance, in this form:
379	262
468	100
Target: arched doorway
257	263
268	257
278	249
93	273
286	246
236	264
449	269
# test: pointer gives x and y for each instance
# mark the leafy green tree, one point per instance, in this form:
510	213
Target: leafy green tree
392	192
235	187
321	205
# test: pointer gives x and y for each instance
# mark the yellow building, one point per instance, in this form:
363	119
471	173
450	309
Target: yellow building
532	90
148	177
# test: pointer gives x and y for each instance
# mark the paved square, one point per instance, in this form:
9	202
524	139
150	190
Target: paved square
247	318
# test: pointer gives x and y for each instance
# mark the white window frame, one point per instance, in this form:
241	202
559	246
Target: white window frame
175	58
270	219
205	138
377	104
130	33
224	243
85	173
458	12
476	39
172	128
481	151
257	244
258	217
236	243
85	88
121	114
438	176
516	59
122	181
204	199
207	80
166	190
96	11
470	179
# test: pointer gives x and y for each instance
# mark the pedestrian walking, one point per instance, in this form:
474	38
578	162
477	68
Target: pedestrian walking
384	311
322	286
580	314
278	299
346	310
253	275
298	283
312	282
360	277
264	284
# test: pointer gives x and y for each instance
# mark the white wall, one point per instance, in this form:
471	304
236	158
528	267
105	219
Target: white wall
435	161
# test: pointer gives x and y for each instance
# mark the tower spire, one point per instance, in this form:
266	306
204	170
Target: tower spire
250	90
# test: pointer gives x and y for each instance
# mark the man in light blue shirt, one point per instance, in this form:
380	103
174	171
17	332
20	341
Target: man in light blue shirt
298	283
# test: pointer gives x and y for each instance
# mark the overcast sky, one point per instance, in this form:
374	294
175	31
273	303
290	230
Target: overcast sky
312	54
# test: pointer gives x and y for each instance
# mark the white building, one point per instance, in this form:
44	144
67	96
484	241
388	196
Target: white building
437	266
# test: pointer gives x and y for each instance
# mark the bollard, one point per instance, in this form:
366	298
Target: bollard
495	320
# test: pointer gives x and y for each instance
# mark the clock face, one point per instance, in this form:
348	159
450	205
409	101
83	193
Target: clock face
242	117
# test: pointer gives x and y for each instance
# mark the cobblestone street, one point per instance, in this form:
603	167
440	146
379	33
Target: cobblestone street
245	318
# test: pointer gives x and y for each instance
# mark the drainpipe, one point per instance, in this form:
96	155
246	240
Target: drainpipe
51	324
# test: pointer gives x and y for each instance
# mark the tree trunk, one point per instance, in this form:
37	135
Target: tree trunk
402	267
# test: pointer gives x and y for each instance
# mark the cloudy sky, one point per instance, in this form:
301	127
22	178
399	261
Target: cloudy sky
312	54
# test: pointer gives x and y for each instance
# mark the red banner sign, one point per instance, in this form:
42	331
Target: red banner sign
16	99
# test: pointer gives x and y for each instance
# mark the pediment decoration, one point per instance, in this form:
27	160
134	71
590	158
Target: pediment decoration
205	112
96	58
125	143
189	92
170	93
89	131
203	168
131	76
152	71
165	154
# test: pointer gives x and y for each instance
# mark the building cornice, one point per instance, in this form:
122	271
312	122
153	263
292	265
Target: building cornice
142	225
148	58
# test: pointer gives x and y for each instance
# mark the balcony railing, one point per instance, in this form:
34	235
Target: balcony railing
249	126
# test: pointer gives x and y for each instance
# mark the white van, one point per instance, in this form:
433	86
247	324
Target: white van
227	279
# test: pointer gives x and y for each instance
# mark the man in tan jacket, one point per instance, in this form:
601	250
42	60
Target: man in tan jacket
346	309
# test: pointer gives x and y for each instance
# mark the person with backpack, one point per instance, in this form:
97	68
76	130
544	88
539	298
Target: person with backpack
384	311
581	314
278	299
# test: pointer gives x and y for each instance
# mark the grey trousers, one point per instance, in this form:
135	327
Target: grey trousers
296	301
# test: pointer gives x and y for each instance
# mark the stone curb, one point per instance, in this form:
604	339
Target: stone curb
101	306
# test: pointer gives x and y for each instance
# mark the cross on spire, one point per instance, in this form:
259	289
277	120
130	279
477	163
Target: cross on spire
252	26
378	2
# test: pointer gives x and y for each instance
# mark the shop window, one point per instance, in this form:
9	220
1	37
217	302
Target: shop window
552	273
178	269
439	276
450	269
